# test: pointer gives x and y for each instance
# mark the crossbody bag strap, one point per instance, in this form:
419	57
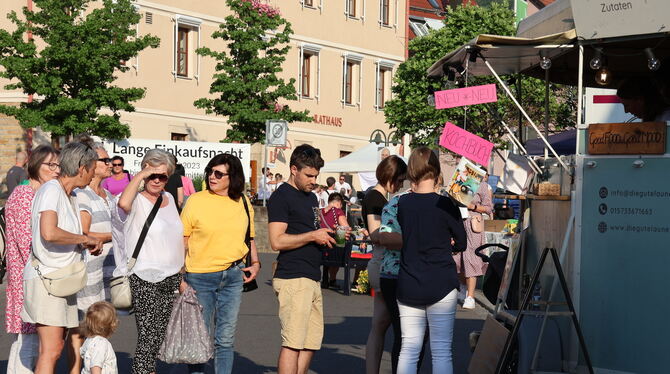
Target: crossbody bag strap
145	230
247	237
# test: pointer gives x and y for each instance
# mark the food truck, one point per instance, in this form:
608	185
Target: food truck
612	228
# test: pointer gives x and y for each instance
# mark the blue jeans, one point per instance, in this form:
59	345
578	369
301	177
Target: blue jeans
220	294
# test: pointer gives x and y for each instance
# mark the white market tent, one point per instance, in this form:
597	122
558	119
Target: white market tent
362	160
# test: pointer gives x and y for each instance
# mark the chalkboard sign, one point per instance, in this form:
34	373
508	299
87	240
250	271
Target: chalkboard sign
627	138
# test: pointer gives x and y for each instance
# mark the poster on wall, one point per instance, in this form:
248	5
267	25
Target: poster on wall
194	156
465	181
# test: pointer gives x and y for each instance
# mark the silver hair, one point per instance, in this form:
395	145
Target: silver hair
156	157
74	155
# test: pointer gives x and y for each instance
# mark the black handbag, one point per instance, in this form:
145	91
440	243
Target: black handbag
249	286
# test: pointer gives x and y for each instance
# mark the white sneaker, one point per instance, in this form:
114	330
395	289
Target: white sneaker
462	293
469	303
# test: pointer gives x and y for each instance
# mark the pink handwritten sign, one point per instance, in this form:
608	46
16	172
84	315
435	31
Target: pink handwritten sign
466	96
466	144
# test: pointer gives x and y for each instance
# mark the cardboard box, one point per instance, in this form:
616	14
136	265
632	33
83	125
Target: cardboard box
494	225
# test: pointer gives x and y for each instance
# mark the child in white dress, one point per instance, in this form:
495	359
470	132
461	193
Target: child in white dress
97	353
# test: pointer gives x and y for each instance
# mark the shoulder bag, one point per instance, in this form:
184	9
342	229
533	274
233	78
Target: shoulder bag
249	286
120	286
67	280
477	223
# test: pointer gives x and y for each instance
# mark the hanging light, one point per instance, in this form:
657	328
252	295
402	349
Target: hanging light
597	60
545	63
652	62
603	76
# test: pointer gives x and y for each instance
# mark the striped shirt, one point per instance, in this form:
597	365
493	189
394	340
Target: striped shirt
99	268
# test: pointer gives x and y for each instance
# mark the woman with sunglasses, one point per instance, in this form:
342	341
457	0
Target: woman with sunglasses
119	179
156	274
95	205
215	228
42	167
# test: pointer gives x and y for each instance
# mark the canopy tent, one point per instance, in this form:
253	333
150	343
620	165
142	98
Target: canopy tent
564	143
362	160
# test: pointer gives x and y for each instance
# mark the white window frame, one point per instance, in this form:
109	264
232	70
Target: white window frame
193	23
136	65
320	6
394	4
346	10
357	59
313	50
418	25
386	66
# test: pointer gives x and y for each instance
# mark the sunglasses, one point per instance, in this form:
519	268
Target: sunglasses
217	174
117	164
161	177
106	160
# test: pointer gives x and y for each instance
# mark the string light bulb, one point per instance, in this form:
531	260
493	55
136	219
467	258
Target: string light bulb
603	76
545	63
597	60
652	62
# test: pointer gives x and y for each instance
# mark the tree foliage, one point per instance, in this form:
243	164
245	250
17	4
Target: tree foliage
246	84
410	112
70	64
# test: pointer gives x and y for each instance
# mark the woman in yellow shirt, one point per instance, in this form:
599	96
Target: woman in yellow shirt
215	227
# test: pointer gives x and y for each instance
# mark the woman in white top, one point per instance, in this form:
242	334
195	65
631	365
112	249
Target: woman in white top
156	275
57	242
95	204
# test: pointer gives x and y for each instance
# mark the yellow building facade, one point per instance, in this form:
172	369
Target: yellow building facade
343	55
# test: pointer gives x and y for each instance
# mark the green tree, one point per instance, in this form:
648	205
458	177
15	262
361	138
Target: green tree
246	84
70	64
410	112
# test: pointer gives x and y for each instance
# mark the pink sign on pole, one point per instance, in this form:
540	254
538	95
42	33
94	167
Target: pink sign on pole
466	144
466	96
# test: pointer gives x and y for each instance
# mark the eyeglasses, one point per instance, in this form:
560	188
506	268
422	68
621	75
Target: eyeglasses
161	177
117	164
53	166
217	174
106	160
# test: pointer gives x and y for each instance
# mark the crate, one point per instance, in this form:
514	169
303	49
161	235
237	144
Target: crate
548	189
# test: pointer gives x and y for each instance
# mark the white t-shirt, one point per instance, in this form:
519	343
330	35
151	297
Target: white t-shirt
98	351
162	254
51	257
346	186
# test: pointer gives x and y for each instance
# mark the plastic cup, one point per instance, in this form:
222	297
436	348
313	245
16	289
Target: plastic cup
340	236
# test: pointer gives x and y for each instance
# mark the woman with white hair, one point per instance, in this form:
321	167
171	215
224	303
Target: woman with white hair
155	276
95	205
57	242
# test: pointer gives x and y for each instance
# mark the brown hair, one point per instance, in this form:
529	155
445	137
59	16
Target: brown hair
37	157
391	170
305	155
423	164
100	320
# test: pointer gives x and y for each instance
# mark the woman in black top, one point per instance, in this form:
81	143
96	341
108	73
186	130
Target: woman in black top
427	280
391	173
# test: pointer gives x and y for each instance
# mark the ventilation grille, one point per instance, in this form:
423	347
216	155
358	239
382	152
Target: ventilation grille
149	18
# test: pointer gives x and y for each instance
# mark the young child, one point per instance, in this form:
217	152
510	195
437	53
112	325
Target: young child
97	353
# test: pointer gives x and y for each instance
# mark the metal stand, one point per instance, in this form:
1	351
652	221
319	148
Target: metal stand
502	362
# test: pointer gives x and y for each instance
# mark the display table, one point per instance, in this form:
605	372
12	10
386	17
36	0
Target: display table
344	257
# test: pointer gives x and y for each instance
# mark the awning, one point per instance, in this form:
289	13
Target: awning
509	55
564	143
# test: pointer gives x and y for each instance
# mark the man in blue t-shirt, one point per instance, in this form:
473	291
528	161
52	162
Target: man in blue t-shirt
294	232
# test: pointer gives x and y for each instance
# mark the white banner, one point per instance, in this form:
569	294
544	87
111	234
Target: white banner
194	156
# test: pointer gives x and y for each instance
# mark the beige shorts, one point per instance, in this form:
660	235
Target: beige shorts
40	307
300	312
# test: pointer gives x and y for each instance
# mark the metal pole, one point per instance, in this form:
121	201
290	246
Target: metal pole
265	168
518	94
580	95
546	112
509	93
